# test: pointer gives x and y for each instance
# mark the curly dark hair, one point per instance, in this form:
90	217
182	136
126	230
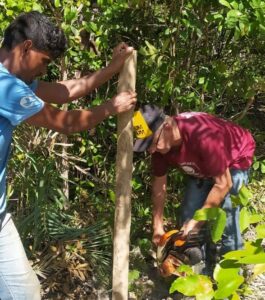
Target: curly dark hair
38	28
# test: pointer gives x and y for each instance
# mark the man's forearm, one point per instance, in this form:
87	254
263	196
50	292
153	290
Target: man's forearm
78	120
158	211
223	184
69	90
158	199
73	121
214	199
80	87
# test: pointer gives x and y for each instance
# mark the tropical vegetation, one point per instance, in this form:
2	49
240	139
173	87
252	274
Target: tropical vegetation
193	55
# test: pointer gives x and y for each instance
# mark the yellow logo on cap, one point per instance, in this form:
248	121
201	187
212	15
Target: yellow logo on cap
140	126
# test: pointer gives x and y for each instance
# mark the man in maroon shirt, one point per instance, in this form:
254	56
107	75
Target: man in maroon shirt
215	154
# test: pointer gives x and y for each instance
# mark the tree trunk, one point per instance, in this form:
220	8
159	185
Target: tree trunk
124	161
64	167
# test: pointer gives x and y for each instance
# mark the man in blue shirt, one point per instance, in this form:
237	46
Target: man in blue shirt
30	43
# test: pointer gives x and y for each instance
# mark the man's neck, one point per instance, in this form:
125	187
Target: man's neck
7	59
3	55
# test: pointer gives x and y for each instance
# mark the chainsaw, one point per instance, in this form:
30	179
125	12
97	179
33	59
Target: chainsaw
173	251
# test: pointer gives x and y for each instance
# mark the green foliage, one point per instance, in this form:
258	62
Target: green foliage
243	197
197	55
259	165
218	220
249	249
226	275
199	286
145	246
228	281
133	275
260	229
258	269
247	215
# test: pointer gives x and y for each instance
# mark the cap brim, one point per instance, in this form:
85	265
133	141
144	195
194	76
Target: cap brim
141	145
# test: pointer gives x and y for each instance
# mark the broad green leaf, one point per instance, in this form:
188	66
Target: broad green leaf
244	28
205	296
225	3
70	13
243	196
255	3
253	259
186	269
232	19
228	287
260	229
159	60
57	3
255	246
234	13
185	285
255	218
206	288
193	285
250	248
221	274
93	26
9	12
90	183
218	226
235	297
235	200
201	80
229	264
244	219
152	49
218	16
143	51
237	254
37	7
206	214
256	165
258	269
234	4
218	218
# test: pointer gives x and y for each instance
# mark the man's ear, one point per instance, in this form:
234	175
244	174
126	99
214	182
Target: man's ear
27	45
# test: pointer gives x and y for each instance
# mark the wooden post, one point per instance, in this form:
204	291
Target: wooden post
124	160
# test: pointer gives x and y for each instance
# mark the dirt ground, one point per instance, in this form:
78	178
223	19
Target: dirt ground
151	286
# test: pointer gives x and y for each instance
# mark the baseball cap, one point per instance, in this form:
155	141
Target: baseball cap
145	123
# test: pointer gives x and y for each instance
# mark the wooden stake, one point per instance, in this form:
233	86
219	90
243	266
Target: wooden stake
124	160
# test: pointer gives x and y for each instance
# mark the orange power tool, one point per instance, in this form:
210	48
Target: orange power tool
173	251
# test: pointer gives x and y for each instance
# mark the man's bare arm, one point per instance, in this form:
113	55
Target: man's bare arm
159	186
78	120
222	185
69	90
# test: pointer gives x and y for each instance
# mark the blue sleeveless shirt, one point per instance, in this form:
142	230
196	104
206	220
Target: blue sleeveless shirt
17	103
